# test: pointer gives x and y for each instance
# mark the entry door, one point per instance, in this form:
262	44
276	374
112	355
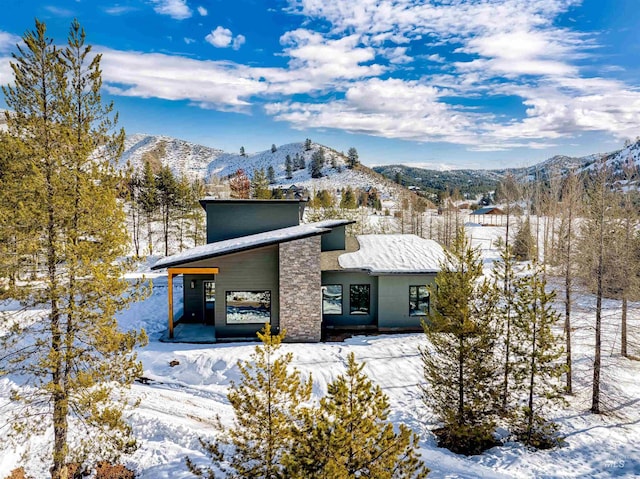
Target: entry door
209	302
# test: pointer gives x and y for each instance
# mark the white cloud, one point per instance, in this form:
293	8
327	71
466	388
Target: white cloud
119	9
202	11
220	37
238	41
176	9
8	41
189	41
208	84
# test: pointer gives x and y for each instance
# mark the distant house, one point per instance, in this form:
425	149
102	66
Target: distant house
260	264
489	215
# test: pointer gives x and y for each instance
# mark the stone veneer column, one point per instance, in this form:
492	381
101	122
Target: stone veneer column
300	295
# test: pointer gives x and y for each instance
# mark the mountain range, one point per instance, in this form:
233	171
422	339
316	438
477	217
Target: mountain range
197	161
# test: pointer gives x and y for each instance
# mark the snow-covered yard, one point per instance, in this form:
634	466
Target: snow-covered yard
180	402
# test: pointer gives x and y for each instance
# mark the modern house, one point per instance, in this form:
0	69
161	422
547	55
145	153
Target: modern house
261	264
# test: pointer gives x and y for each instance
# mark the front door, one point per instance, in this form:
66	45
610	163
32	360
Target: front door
209	302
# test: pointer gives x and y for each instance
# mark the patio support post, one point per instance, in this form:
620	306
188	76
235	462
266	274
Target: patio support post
170	304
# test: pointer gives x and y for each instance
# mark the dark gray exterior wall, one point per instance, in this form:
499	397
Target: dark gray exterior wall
227	220
335	240
346	279
393	300
254	270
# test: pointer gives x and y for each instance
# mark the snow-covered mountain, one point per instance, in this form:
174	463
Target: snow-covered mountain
199	161
182	156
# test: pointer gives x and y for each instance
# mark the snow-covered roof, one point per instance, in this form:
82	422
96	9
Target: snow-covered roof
488	210
389	254
253	241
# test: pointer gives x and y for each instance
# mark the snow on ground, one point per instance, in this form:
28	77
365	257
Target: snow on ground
180	402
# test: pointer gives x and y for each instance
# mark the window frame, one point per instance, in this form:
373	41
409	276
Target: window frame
341	299
422	314
358	313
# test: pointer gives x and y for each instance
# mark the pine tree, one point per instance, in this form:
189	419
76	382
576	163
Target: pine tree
288	167
242	152
537	352
504	272
134	190
149	201
240	185
167	187
260	185
307	144
350	436
524	248
76	361
301	162
317	162
352	156
271	175
348	199
267	403
273	148
460	365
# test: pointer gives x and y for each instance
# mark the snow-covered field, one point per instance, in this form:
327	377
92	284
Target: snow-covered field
180	402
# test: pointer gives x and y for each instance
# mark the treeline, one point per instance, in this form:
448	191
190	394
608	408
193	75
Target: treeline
584	226
156	197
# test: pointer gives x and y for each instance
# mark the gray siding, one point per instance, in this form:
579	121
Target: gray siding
346	279
393	300
335	240
254	270
235	219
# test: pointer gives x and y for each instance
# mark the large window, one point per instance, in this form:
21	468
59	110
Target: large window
332	299
418	300
248	307
359	299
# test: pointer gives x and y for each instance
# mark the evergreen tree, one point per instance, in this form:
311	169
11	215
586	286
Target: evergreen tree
76	361
273	148
460	366
149	201
267	404
260	185
271	175
537	352
524	248
167	200
348	199
240	185
504	272
242	152
307	144
352	157
350	436
398	178
317	161
288	167
134	191
334	162
301	162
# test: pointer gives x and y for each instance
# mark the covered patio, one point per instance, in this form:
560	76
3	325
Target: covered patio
181	331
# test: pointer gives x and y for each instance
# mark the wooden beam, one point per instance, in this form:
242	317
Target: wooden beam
170	305
176	271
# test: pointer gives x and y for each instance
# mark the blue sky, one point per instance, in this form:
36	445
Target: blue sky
440	83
